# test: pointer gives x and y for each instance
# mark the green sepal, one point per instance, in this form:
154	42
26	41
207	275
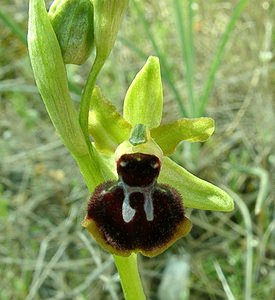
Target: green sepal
195	192
144	100
106	125
168	136
51	79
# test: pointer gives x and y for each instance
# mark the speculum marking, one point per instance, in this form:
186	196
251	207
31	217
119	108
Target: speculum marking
128	212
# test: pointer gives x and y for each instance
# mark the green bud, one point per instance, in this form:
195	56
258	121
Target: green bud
73	23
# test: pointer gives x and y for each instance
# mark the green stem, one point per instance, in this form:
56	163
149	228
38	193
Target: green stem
85	105
87	96
129	276
185	29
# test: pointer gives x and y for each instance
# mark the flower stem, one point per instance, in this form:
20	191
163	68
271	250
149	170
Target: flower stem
129	277
84	114
87	96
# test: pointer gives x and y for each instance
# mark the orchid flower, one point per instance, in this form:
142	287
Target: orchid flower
141	206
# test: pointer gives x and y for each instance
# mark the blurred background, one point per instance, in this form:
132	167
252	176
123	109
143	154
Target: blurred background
217	60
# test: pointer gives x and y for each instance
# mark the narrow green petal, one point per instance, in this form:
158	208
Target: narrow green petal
144	100
106	125
196	193
168	136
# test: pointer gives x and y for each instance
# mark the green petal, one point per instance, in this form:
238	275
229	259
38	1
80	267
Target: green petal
144	99
168	136
196	193
106	125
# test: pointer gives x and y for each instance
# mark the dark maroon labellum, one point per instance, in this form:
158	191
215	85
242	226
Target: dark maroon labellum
136	212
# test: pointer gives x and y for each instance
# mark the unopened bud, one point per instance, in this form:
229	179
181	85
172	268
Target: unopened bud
73	23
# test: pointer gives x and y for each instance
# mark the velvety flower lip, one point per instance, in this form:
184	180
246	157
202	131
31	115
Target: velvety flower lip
128	216
143	210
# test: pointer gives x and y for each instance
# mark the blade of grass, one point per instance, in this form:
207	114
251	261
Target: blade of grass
223	281
14	27
185	30
263	190
133	47
191	53
184	20
208	86
263	248
167	74
263	186
249	244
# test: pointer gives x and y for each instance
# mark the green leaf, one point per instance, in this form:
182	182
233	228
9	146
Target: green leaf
195	192
51	79
144	99
168	136
106	125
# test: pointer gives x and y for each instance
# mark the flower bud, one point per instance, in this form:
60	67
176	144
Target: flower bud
73	23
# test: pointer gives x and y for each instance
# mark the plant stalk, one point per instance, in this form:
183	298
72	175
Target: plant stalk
87	96
130	280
